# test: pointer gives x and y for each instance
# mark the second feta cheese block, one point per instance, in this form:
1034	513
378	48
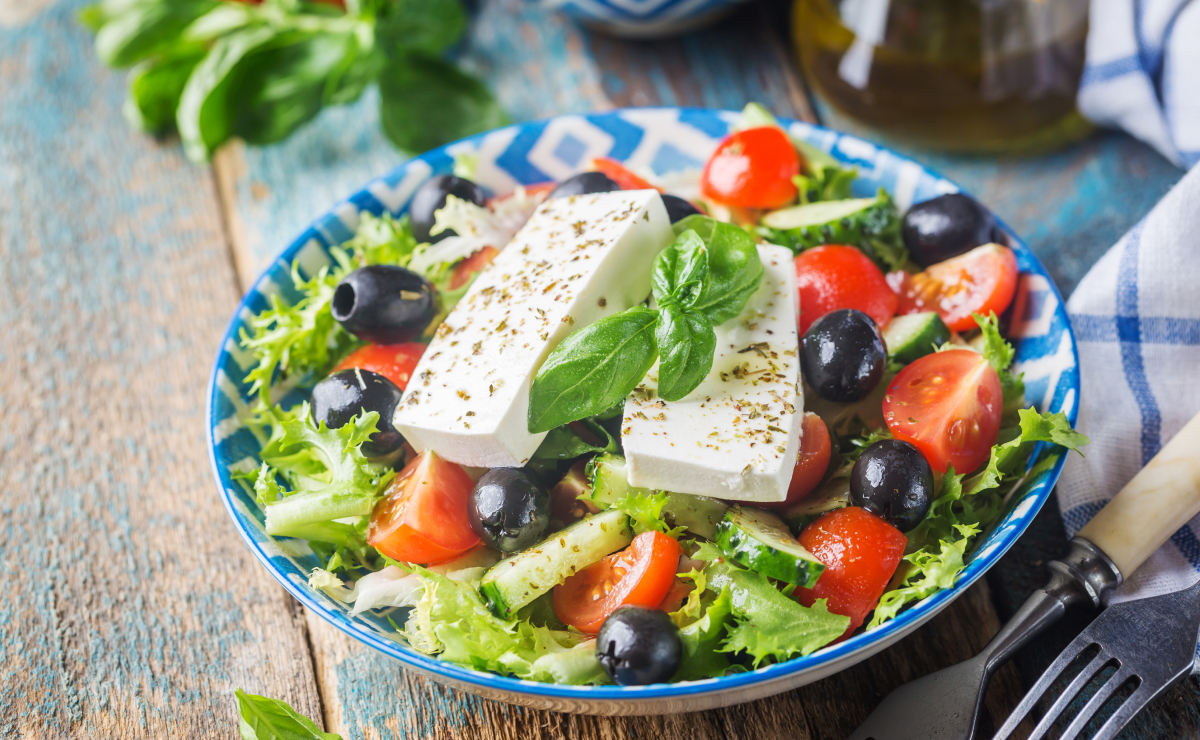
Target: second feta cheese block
577	260
738	434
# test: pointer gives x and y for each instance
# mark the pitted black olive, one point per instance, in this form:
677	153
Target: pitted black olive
678	208
947	226
843	355
585	183
384	304
350	393
892	479
431	197
509	510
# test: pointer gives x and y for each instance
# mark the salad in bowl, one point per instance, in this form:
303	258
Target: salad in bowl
635	428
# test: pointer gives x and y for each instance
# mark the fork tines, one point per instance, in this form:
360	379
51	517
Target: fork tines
1132	652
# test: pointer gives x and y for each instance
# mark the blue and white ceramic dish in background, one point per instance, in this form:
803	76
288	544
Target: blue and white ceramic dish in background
664	140
643	19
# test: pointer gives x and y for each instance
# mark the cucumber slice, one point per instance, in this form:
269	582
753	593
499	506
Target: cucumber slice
835	494
761	541
816	214
515	581
610	484
916	335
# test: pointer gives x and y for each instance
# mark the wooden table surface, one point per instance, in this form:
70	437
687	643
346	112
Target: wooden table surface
129	608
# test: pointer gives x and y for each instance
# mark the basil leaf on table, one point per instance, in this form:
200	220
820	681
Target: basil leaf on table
155	87
686	344
593	369
207	111
734	268
263	718
426	26
680	270
425	102
132	32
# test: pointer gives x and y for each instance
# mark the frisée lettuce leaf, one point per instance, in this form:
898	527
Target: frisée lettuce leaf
451	621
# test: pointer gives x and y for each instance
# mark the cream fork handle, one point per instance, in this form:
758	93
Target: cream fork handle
1150	508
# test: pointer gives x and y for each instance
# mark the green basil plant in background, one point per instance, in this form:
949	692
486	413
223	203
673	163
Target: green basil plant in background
215	70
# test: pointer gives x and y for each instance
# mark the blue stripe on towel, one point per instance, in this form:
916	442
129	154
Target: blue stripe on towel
1106	71
1130	334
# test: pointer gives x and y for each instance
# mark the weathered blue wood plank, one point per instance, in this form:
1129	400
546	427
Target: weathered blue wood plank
128	606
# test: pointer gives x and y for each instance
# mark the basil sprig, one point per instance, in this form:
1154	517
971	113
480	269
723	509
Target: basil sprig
701	281
215	70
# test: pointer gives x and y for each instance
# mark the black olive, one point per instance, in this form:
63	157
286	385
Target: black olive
509	510
678	208
585	183
893	480
638	646
947	226
431	197
843	355
384	304
350	393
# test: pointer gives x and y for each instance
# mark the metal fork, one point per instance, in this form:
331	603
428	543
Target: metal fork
1150	642
945	705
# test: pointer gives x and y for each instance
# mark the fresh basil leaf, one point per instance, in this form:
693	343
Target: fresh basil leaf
141	30
427	26
426	102
680	269
734	268
155	87
564	443
285	85
593	369
207	111
263	718
686	343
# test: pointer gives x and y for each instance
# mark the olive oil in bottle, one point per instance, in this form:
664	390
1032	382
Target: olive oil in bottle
958	75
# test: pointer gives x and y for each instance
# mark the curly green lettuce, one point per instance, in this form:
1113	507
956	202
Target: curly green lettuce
451	621
702	621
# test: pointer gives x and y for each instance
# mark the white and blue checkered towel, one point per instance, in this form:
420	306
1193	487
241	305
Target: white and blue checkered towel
1136	316
1143	73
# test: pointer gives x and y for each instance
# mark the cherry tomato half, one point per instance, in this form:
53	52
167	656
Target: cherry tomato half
980	281
836	276
949	405
641	574
621	176
752	169
471	266
422	517
395	362
811	464
861	552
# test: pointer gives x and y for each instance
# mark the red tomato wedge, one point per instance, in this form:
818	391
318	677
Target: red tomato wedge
752	169
861	552
422	517
395	362
641	574
949	405
471	266
836	276
811	463
980	281
623	177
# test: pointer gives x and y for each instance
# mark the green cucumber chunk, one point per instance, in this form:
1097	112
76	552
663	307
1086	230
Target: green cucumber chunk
816	214
610	484
914	336
835	494
516	581
761	541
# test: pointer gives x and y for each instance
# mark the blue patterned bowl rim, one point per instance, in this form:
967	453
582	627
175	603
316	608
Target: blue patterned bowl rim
1046	352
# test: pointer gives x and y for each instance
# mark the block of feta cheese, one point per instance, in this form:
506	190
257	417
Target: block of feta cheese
738	434
577	260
